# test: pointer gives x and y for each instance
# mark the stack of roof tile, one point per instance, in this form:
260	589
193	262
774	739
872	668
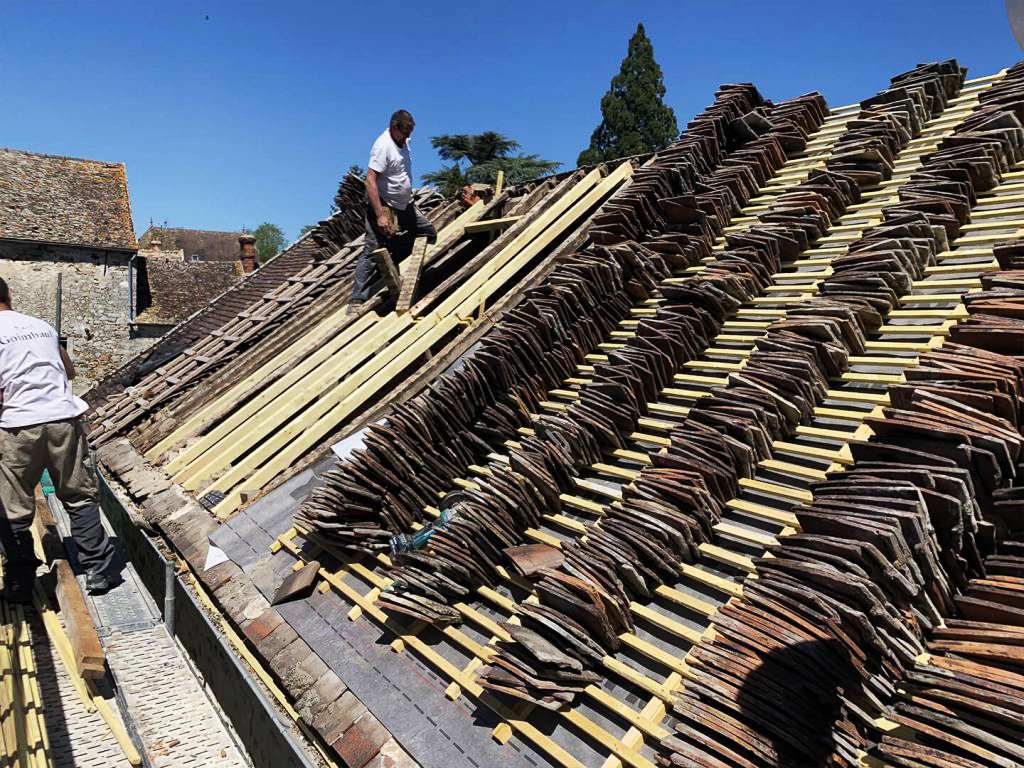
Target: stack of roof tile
598	420
841	613
884	627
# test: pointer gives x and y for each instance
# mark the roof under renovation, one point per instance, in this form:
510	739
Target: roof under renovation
707	458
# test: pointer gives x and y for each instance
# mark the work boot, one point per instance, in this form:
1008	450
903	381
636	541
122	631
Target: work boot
99	582
18	587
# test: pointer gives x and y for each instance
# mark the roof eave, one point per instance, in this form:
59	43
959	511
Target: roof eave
96	246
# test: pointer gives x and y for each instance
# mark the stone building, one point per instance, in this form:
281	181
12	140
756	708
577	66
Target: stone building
67	249
179	276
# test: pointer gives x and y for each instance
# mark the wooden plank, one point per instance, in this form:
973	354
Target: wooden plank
388	271
490	225
276	452
411	275
90	661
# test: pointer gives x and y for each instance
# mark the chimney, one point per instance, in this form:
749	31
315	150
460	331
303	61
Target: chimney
247	253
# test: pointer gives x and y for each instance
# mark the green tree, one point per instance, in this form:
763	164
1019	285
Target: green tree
269	241
484	154
634	117
307	228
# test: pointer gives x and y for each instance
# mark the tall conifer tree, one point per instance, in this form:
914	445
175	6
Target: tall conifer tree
634	117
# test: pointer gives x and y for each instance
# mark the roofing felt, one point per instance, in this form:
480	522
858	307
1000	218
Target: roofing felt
201	244
66	200
762	427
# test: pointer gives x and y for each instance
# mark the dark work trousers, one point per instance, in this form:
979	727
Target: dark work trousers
61	448
411	224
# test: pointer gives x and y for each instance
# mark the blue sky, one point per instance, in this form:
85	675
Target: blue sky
230	114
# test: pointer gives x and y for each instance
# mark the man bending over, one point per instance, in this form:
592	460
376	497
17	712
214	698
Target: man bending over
40	429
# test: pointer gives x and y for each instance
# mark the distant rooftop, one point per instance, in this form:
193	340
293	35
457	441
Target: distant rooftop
198	244
175	290
66	200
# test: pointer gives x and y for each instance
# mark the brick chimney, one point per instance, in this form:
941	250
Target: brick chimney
247	253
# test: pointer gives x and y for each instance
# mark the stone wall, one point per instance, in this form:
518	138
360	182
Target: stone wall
98	290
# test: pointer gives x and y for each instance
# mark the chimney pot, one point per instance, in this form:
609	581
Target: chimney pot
247	253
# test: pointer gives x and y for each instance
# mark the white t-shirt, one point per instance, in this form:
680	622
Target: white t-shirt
393	165
33	381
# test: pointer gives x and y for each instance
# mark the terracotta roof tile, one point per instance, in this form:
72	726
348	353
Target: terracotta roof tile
179	289
47	198
207	244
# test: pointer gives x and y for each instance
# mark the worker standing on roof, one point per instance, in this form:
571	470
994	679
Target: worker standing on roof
392	220
40	429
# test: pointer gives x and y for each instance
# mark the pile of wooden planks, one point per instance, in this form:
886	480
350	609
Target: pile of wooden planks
23	736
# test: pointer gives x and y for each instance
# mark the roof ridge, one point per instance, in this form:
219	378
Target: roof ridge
63	157
194	229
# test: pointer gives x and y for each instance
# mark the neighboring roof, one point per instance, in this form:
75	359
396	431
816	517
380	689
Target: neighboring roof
162	253
67	200
207	244
178	289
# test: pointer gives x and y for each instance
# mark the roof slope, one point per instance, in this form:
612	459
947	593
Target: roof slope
176	290
326	239
734	483
66	200
207	244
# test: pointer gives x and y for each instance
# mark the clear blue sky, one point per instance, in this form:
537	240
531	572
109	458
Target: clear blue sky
253	113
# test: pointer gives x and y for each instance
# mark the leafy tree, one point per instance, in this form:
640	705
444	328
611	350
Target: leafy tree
269	241
307	228
634	119
484	154
448	178
478	148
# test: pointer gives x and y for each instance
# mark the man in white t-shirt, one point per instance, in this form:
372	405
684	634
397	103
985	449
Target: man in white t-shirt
40	429
392	220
